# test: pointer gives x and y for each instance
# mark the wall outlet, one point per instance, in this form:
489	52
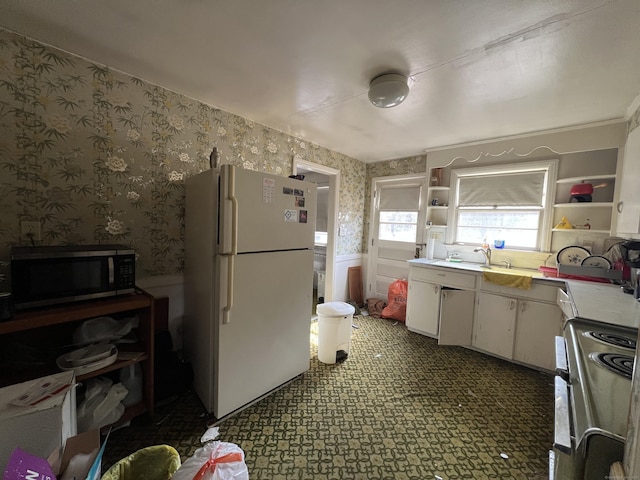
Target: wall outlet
30	230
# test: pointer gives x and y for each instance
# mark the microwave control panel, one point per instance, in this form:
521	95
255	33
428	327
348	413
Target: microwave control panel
126	271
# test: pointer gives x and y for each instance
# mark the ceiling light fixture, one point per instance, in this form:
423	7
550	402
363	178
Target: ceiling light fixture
388	90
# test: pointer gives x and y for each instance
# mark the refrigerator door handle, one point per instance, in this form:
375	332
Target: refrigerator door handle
226	311
231	197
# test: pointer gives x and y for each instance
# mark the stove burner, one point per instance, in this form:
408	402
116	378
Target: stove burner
615	362
613	339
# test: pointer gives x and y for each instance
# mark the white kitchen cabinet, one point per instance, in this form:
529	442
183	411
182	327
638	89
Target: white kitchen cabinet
456	316
629	200
537	325
423	307
426	314
512	323
494	326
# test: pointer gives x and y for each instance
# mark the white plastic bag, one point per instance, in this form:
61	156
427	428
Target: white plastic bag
214	461
99	329
102	404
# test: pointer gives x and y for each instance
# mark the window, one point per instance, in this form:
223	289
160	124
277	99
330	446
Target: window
398	226
399	214
506	202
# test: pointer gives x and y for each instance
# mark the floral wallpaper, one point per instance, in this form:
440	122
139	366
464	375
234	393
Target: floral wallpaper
97	156
400	166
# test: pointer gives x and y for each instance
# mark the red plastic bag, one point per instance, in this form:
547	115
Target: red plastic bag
397	307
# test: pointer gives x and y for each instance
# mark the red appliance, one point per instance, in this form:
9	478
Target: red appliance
582	192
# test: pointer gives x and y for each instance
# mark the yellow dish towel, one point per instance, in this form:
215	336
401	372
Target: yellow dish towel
508	279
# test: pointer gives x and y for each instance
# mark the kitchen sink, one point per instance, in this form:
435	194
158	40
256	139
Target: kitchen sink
480	267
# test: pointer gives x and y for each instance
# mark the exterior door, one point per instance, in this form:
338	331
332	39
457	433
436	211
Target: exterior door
398	220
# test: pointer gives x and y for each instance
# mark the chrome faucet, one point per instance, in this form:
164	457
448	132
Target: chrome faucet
487	254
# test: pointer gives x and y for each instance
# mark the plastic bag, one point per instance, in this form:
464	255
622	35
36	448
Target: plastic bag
214	461
102	404
375	307
397	308
158	462
104	328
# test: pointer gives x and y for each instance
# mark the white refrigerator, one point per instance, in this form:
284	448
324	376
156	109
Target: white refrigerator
249	240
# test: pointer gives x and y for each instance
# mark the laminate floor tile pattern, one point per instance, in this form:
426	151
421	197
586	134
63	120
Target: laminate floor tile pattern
399	407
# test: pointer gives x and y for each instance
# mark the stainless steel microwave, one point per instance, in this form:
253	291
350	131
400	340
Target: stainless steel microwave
50	275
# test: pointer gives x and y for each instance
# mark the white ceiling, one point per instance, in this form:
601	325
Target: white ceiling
478	69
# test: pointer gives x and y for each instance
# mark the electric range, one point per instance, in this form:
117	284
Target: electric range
594	362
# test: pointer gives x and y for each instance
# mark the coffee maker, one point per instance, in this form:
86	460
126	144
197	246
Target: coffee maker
631	256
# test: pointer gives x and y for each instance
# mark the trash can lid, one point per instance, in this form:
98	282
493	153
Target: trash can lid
335	308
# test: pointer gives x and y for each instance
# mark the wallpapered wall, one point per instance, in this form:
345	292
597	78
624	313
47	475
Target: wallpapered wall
97	156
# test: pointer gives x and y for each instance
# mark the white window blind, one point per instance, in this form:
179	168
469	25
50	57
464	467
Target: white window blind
522	189
400	199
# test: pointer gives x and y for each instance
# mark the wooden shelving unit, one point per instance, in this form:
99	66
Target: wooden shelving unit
44	320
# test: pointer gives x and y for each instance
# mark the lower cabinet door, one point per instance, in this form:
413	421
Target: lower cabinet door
456	316
494	327
423	307
536	330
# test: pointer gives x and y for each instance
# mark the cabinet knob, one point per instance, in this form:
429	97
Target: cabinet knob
619	206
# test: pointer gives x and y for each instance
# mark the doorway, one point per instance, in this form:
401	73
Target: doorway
397	228
328	180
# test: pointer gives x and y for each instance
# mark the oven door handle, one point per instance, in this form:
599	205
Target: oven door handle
562	367
562	427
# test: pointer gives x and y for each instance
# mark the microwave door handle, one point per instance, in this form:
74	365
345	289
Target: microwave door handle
111	271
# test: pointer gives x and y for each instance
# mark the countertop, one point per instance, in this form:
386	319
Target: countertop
479	268
600	302
604	302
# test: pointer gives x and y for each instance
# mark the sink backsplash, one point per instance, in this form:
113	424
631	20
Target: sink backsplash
518	259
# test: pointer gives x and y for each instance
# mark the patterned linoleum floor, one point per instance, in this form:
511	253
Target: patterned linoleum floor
399	407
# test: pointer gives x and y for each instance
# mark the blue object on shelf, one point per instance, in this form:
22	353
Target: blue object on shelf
498	243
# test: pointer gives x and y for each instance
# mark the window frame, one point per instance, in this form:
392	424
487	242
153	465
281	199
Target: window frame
550	167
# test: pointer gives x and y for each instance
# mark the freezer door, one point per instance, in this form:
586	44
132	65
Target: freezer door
263	212
265	341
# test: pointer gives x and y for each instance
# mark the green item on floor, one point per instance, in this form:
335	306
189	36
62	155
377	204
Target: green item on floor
355	306
158	462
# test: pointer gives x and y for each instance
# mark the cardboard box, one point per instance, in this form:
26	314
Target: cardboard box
37	416
80	458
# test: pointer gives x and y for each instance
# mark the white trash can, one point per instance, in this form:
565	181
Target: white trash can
334	329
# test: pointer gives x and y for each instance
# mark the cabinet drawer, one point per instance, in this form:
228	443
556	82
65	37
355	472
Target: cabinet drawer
538	291
564	303
443	276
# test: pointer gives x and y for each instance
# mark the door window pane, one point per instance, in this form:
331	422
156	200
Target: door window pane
398	226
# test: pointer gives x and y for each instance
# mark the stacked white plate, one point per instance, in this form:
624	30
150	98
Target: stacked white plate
88	359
